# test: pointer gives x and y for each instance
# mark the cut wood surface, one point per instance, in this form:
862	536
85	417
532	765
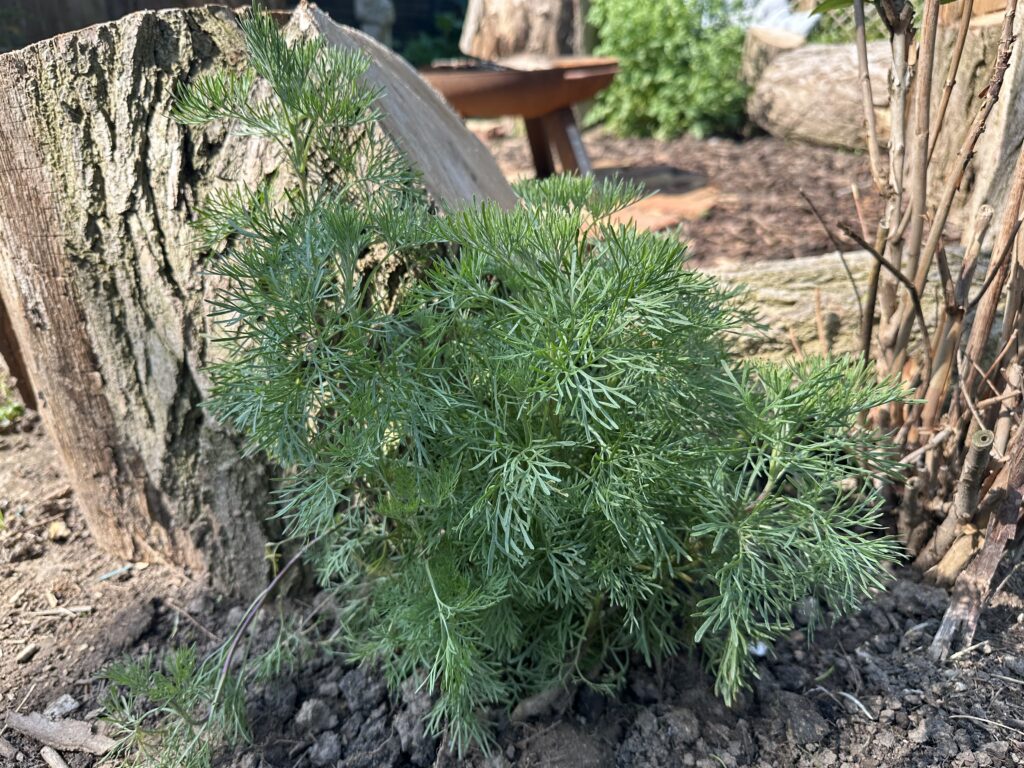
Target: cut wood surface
813	94
106	293
455	164
761	46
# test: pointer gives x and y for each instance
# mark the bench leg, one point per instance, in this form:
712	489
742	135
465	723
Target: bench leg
564	134
536	132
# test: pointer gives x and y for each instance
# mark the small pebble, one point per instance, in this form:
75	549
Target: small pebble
61	707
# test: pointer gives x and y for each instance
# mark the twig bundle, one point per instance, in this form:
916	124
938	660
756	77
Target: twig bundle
960	432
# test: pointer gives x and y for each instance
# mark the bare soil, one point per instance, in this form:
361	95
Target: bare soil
861	693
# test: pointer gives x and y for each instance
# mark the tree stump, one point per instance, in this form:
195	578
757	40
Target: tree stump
104	289
496	29
813	94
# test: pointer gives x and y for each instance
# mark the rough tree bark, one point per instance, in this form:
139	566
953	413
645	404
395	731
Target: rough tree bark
813	94
105	291
988	178
32	20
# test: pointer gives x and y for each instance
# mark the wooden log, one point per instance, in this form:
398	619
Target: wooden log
761	46
782	294
951	12
106	293
813	94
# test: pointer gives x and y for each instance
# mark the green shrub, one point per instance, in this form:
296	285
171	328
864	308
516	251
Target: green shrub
10	408
679	67
837	26
538	459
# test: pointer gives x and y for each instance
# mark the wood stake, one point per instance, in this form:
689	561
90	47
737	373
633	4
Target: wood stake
65	735
52	758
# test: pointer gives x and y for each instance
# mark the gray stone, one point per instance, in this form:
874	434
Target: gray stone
315	717
62	706
362	689
682	726
325	750
803	721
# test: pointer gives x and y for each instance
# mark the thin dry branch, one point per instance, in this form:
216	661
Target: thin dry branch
922	127
905	281
988	300
979	228
973	584
995	267
951	69
954	176
867	98
839	250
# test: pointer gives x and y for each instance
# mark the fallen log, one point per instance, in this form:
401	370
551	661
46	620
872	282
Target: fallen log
813	94
763	45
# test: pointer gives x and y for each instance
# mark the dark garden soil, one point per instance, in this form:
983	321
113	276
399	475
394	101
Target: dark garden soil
758	211
862	693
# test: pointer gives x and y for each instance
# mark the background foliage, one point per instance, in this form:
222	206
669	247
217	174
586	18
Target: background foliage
837	25
440	42
680	67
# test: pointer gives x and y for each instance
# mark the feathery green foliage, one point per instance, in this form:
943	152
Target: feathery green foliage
537	458
10	408
160	714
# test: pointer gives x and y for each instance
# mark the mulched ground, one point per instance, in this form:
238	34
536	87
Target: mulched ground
860	694
760	213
